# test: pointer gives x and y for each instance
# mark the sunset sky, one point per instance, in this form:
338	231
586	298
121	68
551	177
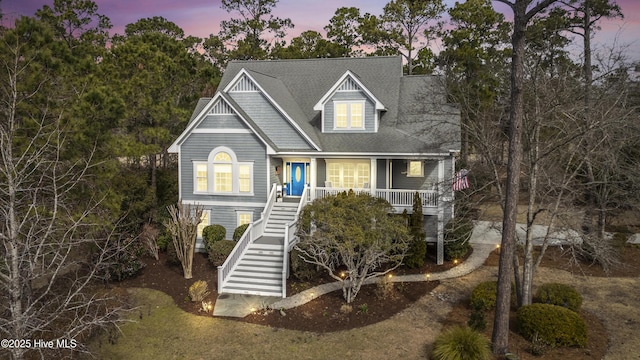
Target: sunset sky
202	17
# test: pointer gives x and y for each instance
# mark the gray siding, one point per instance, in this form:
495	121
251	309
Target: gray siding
227	217
270	121
369	111
402	181
247	147
273	176
222	122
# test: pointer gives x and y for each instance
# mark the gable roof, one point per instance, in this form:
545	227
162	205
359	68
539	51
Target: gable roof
297	86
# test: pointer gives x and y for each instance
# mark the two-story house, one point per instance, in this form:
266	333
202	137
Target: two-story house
278	134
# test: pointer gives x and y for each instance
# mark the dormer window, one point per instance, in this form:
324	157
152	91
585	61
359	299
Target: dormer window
349	115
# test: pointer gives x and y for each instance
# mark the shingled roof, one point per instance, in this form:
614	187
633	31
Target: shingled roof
416	120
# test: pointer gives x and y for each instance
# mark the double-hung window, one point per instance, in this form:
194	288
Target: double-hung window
348	115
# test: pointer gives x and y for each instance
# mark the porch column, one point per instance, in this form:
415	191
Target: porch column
441	190
313	175
373	176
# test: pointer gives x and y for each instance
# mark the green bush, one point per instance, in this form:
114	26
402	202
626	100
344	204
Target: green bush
301	269
461	343
477	320
551	324
456	238
559	294
172	256
483	296
126	261
220	250
416	254
163	241
239	231
212	234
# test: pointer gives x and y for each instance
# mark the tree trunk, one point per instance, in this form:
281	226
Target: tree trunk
500	336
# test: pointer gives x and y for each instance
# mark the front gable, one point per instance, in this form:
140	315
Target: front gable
268	114
349	106
219	116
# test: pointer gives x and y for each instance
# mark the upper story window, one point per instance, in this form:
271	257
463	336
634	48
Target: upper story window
223	174
348	115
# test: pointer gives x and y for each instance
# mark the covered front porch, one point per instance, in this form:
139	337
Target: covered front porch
393	179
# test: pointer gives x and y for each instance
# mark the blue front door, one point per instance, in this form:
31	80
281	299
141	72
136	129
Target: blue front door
297	179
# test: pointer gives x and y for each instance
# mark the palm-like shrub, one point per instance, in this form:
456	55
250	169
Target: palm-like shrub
198	291
461	343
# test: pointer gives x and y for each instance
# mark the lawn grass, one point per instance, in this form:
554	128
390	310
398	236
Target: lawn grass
161	330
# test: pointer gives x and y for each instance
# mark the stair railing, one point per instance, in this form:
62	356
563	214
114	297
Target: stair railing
290	240
253	231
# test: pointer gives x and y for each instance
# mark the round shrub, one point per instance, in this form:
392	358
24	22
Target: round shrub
219	251
456	238
559	294
212	234
460	343
483	297
551	324
239	231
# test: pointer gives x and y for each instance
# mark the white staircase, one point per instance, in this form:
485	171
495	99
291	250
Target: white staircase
282	214
259	270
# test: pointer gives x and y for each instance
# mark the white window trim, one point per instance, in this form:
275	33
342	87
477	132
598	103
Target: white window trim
235	174
409	168
355	169
238	213
208	212
349	102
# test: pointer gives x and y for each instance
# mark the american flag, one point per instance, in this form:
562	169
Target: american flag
460	180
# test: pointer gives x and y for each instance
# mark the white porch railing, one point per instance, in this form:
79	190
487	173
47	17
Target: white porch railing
254	231
396	197
290	239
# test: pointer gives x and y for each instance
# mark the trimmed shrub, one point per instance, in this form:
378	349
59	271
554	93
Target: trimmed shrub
483	297
212	234
198	291
219	251
460	343
456	238
301	269
239	231
552	325
416	254
559	294
163	241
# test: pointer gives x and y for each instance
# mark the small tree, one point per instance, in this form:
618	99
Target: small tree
355	232
183	227
418	245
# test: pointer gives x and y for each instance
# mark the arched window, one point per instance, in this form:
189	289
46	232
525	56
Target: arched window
223	174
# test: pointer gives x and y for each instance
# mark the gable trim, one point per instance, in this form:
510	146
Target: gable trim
347	75
175	147
244	72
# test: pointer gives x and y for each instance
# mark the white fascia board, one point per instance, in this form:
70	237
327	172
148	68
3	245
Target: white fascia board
273	102
320	104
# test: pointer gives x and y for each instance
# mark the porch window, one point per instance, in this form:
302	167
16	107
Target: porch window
349	115
415	168
348	174
204	222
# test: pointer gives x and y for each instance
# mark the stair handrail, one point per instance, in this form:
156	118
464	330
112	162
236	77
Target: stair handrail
253	231
289	237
